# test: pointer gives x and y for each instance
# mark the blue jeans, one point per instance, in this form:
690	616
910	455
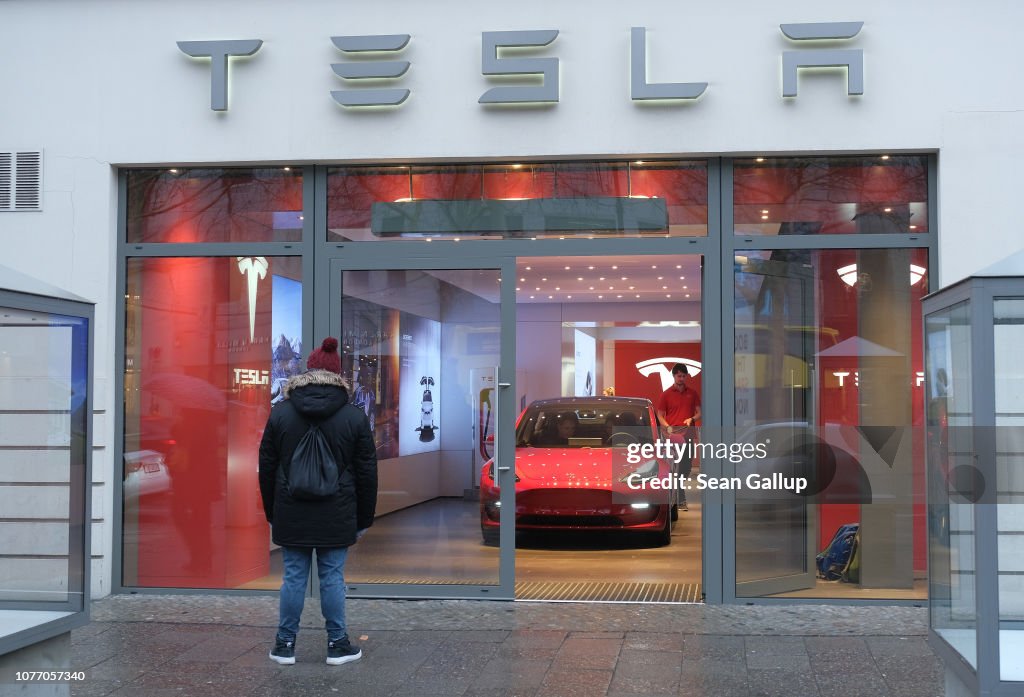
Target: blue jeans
330	566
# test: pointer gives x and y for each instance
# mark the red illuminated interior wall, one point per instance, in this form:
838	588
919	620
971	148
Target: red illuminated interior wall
208	530
628	380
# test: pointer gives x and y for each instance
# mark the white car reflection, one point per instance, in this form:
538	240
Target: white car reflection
145	472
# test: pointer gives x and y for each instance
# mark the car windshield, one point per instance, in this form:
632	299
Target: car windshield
583	425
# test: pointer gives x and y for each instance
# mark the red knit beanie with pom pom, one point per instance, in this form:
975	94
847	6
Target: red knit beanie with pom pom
326	357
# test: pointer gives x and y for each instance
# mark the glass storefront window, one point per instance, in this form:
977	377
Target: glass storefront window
43	430
1008	315
831	195
828	366
950	415
215	205
516	200
208	343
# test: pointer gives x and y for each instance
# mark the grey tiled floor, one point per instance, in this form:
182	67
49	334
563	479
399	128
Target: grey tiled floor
217	645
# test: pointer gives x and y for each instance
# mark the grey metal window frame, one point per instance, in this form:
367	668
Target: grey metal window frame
717	308
134	250
732	243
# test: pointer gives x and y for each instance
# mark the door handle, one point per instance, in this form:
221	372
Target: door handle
503	468
504	384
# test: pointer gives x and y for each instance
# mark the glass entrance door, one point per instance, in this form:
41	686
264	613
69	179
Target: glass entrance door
775	364
428	350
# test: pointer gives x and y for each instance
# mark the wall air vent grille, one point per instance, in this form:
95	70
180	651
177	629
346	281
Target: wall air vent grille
21	180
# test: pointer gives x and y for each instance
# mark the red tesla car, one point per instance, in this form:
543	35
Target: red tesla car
572	467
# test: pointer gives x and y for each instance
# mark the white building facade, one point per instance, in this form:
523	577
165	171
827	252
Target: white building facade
104	88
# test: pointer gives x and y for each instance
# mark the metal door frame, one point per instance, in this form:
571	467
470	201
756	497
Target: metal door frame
328	322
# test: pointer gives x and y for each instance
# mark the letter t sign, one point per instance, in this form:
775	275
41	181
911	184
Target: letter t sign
218	52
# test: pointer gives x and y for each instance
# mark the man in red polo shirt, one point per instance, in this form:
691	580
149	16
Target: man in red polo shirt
678	410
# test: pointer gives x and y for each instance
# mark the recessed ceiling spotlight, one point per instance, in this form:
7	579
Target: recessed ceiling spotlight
885	157
661	278
544	279
679	266
887	210
687	295
591	268
579	278
654	266
557	288
522	280
614	267
529	268
764	217
618	296
758	159
591	287
567	268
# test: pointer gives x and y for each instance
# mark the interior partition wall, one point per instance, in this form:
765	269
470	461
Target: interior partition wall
230	275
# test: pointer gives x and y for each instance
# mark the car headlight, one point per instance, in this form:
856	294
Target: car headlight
645	470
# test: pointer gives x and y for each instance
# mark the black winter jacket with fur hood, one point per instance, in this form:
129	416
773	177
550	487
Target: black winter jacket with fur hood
322	396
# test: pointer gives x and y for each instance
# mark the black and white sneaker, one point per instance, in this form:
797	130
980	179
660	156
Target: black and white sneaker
283	652
341	651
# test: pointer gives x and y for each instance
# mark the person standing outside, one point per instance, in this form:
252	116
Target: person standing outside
327	526
678	411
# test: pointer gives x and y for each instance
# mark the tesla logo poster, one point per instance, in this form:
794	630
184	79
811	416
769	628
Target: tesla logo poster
662	367
586	364
419	392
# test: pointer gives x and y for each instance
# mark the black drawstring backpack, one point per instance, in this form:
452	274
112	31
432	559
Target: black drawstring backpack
313	472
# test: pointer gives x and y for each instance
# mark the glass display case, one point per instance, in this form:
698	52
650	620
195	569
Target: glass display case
46	339
975	454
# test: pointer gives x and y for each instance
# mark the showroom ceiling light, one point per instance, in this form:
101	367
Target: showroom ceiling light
849	274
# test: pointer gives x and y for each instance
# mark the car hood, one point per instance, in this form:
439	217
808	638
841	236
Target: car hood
578	466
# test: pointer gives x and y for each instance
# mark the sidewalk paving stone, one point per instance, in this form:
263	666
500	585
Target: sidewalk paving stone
208	645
